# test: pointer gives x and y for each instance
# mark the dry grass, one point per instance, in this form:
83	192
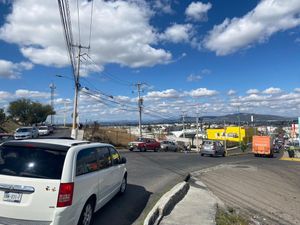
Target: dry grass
230	217
9	126
115	136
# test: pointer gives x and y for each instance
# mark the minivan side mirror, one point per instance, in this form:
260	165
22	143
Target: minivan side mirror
123	160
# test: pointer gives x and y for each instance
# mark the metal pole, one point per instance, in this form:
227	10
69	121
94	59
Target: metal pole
183	126
239	121
197	133
52	88
65	113
75	114
225	142
140	103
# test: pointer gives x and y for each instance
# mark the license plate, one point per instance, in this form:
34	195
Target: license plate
12	197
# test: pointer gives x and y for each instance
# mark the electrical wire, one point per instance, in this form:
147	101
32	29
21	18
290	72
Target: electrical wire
111	77
91	23
78	22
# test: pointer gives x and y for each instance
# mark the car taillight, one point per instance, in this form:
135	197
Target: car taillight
65	194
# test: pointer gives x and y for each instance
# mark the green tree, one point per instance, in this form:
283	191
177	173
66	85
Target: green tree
2	116
29	112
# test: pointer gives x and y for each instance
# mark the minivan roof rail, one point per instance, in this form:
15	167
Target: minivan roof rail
81	143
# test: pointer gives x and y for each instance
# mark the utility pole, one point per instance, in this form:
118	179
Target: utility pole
140	107
225	133
239	122
183	125
65	113
77	88
197	131
52	88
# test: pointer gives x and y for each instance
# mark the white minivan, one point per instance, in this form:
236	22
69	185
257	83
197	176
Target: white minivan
57	181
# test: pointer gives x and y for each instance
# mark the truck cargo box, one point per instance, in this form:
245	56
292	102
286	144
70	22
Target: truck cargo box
262	145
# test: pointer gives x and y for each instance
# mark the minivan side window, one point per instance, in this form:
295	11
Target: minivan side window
116	158
104	160
86	161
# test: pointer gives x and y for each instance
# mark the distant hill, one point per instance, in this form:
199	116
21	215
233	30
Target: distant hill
244	117
230	118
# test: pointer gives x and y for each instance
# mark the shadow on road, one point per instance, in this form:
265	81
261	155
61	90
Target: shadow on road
125	209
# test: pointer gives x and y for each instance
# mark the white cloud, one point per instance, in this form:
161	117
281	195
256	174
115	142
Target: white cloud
12	70
23	93
231	92
206	71
169	93
62	101
272	91
192	78
178	33
201	92
121	33
197	11
4	95
268	17
297	89
252	91
163	5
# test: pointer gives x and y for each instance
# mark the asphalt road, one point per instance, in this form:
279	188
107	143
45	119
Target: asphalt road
266	190
150	174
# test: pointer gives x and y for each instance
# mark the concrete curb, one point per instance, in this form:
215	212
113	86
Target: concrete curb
166	203
238	153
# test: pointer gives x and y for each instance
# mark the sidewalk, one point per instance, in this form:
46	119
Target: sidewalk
199	204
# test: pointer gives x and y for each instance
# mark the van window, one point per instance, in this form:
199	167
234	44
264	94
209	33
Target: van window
32	162
116	158
104	160
86	161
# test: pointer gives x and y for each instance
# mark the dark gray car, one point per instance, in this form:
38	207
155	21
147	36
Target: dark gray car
212	148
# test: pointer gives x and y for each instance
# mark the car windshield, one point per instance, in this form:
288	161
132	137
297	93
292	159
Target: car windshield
31	162
43	128
208	143
24	130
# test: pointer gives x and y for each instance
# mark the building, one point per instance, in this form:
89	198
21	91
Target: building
234	134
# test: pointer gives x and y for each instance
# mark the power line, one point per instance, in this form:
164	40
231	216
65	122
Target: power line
78	21
91	22
109	76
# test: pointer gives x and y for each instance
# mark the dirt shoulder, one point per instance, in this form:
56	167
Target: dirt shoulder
267	192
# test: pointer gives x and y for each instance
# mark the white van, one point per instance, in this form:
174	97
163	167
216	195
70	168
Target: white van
57	181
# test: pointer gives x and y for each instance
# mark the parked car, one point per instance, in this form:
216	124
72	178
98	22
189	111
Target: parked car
26	133
212	148
44	130
34	191
168	146
5	137
144	144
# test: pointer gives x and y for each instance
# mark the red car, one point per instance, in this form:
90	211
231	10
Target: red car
144	144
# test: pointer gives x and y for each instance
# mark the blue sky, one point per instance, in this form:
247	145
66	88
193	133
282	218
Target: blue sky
206	57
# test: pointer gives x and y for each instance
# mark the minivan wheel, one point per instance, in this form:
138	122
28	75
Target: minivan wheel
123	186
87	214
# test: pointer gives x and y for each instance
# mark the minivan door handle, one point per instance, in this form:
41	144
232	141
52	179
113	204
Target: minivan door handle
16	188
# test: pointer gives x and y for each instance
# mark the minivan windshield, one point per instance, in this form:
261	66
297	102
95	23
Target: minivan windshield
32	162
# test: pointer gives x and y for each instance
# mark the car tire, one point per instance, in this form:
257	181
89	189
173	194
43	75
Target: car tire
123	186
87	214
224	154
202	154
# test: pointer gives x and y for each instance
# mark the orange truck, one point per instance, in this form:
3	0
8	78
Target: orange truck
262	146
